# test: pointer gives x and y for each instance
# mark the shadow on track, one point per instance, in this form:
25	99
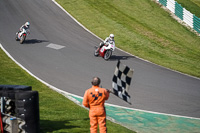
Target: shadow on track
114	57
34	41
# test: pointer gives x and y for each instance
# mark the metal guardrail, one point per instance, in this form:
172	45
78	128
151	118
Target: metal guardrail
12	124
19	109
185	15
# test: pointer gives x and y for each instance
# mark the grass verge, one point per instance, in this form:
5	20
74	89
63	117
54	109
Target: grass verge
57	113
141	28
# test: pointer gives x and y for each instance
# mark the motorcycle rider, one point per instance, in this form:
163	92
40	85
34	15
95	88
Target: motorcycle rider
108	40
24	26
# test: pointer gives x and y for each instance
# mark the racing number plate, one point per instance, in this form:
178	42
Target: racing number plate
102	49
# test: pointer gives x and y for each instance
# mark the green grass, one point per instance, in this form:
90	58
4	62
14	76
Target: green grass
191	5
141	28
57	113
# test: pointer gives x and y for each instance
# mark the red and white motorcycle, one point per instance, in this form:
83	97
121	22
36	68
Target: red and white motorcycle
21	36
105	51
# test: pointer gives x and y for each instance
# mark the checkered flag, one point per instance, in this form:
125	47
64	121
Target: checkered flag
121	81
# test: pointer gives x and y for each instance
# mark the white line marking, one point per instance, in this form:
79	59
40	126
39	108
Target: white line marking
55	46
136	57
68	95
119	48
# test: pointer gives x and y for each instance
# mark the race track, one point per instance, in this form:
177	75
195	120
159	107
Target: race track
60	52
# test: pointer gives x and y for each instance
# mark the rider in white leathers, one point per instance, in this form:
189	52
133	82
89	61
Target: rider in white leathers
24	26
108	40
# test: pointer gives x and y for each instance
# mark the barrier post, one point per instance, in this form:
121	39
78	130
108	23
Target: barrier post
13	125
2	105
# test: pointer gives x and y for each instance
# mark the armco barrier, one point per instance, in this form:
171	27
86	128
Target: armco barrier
179	10
22	103
188	17
185	15
196	23
12	124
163	2
171	6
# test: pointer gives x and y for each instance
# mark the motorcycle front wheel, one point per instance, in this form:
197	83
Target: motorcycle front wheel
22	39
107	54
96	52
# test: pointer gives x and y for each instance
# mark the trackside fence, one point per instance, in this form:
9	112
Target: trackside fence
185	15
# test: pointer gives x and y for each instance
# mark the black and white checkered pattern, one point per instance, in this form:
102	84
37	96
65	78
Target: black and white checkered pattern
121	81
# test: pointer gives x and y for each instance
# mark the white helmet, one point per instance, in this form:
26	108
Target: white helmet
112	36
27	24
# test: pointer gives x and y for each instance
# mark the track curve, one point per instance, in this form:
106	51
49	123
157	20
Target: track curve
72	67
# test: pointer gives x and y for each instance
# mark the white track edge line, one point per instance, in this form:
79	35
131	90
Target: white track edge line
47	84
131	55
61	91
119	48
67	93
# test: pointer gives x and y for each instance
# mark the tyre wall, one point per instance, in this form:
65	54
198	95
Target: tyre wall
22	103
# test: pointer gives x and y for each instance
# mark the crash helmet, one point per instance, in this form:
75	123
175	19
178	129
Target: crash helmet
111	36
27	24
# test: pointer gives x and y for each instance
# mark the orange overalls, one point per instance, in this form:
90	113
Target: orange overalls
94	99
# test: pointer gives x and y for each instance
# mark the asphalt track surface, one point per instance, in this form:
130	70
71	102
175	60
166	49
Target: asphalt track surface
72	67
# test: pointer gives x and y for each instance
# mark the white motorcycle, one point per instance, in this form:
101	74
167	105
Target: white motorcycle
105	51
21	36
